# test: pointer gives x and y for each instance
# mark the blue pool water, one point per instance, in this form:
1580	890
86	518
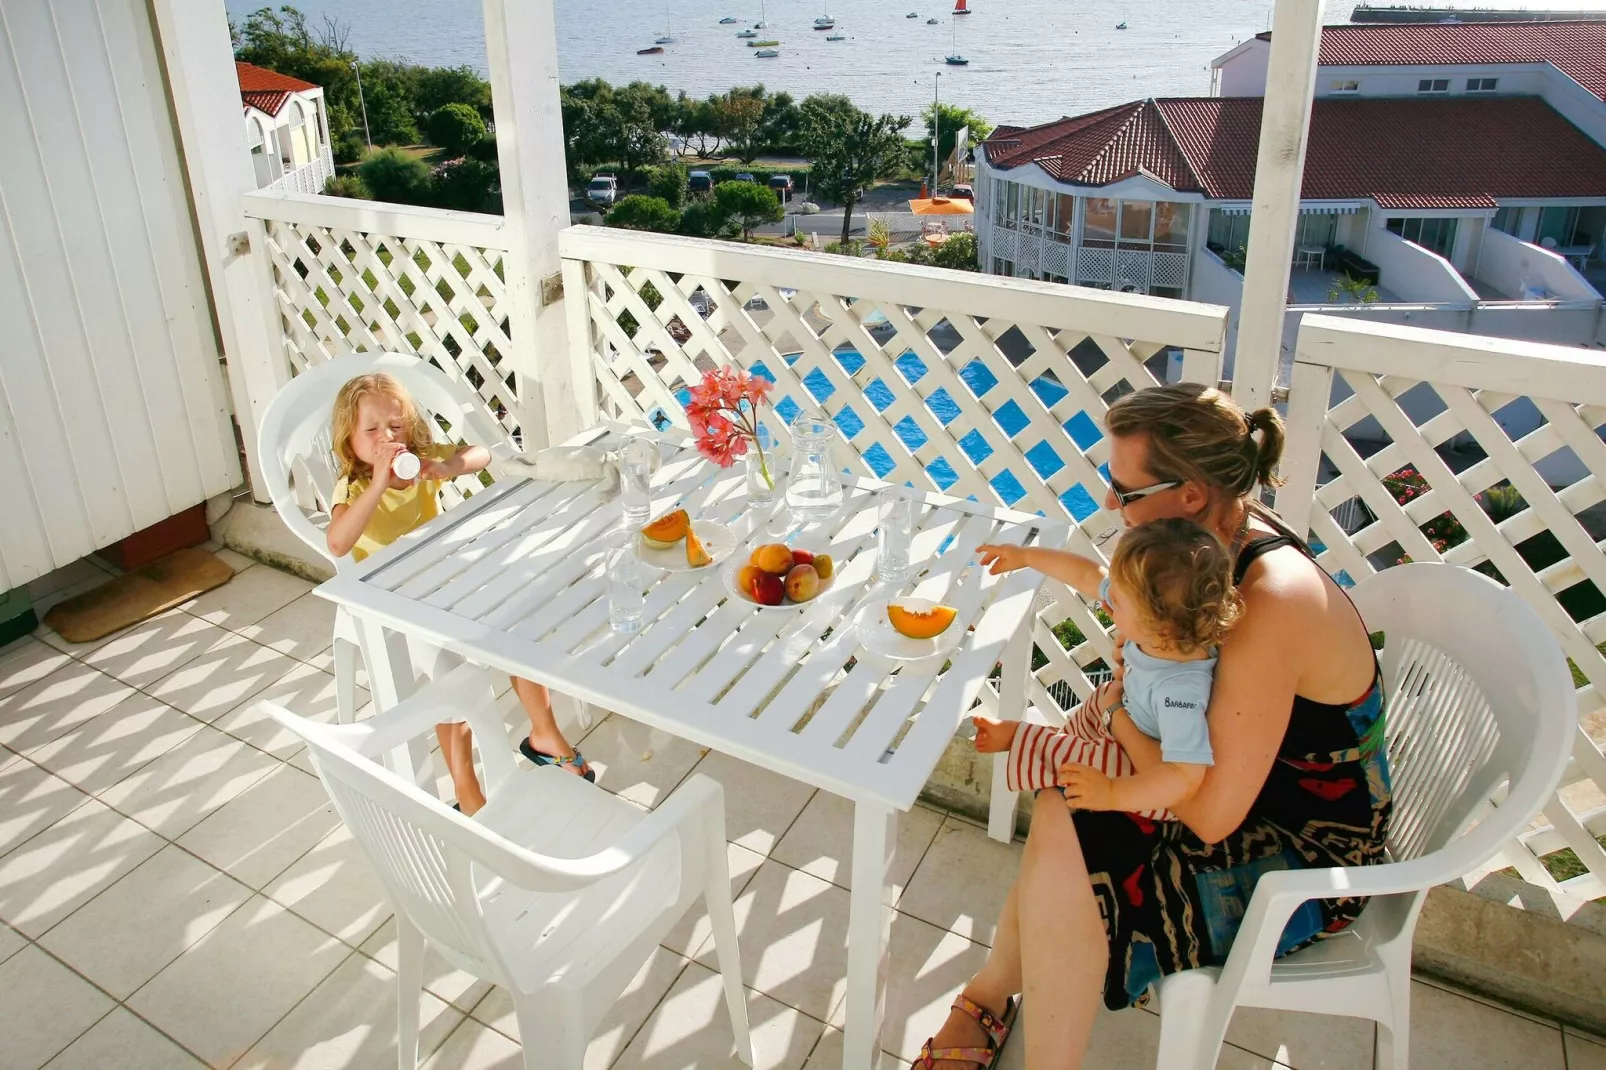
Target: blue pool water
1045	457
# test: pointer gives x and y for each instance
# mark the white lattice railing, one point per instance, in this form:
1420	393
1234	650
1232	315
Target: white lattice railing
964	383
308	178
359	276
1469	414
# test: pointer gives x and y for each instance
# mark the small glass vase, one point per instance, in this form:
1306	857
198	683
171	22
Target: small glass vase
761	469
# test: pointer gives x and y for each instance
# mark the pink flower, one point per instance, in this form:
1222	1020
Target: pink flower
722	410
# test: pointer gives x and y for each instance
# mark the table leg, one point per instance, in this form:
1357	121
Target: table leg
1017	664
391	681
869	928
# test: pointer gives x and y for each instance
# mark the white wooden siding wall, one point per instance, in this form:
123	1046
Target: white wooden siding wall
113	413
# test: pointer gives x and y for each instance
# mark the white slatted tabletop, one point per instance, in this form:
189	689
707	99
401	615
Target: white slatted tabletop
513	578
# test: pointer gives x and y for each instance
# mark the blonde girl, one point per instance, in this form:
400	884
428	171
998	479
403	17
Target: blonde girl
374	420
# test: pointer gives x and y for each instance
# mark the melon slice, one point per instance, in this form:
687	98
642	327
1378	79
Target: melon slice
667	530
920	620
696	556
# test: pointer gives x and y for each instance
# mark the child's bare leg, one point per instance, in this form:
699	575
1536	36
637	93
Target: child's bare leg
994	737
457	747
545	735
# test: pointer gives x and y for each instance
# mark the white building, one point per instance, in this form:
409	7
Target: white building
287	128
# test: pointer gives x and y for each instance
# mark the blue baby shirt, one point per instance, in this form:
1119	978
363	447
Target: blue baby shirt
1167	701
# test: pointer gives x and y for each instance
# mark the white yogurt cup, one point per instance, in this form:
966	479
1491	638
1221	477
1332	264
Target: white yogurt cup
406	466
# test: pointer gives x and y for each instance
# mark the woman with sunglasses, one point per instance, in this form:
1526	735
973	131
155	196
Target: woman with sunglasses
1106	903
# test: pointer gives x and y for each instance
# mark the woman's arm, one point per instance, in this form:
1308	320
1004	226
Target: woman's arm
1162	786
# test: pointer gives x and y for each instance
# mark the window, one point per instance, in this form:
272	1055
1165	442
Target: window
1315	230
1345	85
1505	220
1038	197
1433	85
1065	221
1003	267
1437	235
1228	232
1099	223
1560	225
1482	85
1171	224
1137	221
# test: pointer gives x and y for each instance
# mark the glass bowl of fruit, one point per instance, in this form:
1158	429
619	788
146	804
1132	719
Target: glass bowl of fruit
778	576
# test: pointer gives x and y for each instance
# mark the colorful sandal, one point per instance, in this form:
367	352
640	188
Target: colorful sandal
541	757
997	1031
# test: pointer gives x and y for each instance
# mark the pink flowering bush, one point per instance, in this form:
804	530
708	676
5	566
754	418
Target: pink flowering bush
723	412
1444	530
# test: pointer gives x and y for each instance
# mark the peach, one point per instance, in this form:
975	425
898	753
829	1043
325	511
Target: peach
774	558
802	557
746	576
767	589
802	583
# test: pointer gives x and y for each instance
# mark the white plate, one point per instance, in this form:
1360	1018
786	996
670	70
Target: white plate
878	635
716	538
735	566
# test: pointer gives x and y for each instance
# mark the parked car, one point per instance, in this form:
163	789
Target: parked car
963	190
603	190
782	185
700	182
746	176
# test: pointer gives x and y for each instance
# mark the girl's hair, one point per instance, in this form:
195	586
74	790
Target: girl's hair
414	427
1180	576
1199	435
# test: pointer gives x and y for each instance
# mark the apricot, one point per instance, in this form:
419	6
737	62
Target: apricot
667	530
802	557
696	556
802	583
774	558
746	576
767	589
921	621
824	566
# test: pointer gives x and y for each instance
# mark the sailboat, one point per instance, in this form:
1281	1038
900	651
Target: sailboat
954	59
1121	25
762	18
960	8
727	20
747	33
825	21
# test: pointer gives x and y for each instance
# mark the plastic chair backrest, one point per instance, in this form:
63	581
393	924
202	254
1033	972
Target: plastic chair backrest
1479	696
293	443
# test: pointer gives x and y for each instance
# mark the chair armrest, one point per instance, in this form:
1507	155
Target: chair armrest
460	695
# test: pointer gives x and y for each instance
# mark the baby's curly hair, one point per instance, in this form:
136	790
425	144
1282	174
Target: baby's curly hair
1180	575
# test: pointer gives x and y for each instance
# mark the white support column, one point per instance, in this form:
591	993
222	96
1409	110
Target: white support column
1279	172
521	46
206	102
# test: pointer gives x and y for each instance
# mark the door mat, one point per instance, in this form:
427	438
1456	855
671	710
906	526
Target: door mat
132	597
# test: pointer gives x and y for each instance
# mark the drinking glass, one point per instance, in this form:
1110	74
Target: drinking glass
638	460
626	600
894	533
814	489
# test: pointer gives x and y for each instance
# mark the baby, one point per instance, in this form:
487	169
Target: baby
1169	591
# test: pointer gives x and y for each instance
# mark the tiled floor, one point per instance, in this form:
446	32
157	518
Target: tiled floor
175	890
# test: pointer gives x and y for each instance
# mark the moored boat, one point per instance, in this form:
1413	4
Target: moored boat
653	51
766	53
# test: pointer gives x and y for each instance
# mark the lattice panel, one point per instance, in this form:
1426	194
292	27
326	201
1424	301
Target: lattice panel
1170	269
1132	271
1057	259
1095	265
967	399
1454	469
342	290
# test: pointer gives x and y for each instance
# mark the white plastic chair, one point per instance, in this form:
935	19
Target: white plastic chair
294	444
1479	698
556	890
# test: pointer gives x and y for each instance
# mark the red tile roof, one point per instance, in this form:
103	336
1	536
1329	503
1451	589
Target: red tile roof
1578	48
1460	152
267	90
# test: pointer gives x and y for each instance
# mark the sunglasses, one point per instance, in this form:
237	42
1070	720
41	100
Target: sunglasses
1125	498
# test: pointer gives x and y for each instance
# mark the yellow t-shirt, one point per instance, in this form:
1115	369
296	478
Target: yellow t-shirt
401	509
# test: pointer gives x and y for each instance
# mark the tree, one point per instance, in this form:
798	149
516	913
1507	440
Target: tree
390	114
699	125
953	119
440	86
456	128
644	213
347	186
740	115
748	204
469	185
282	41
850	150
640	140
705	218
670	183
393	174
781	125
958	253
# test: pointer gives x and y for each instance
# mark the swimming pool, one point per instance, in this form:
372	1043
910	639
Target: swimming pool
1044	458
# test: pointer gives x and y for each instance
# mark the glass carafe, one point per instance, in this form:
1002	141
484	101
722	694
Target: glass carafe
814	487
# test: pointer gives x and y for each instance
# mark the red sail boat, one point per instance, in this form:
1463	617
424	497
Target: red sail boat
960	8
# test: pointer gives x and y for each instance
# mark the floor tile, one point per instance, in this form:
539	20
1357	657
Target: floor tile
1130	1040
51	1004
68	864
129	932
251	595
349	1022
304	691
827	1055
304	629
473	1046
691	1028
927	968
821	842
42	607
179	790
690	933
651	983
219	997
1584	1053
51	707
120	1041
257	835
1304	1041
636	762
793	932
27	661
225	675
147	652
67	575
759	805
1450	1032
962	882
31	800
11	942
462	990
334	887
112	746
238	562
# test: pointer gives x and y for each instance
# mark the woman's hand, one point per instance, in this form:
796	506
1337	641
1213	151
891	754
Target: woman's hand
1003	557
1086	788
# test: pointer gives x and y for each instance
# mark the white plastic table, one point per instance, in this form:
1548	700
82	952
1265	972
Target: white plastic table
513	579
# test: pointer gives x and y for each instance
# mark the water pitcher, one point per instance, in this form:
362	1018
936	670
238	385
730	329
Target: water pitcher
814	488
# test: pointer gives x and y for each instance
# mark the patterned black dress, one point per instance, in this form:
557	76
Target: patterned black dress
1173	902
